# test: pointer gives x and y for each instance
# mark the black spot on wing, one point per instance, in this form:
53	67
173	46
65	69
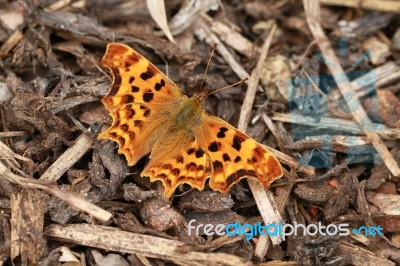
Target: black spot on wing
148	96
129	114
121	141
217	166
117	79
148	74
259	151
138	123
127	65
127	99
221	133
179	159
114	89
190	151
214	146
199	153
124	127
175	171
226	157
132	59
135	89
162	175
146	113
132	135
237	142
191	167
159	85
167	166
238	174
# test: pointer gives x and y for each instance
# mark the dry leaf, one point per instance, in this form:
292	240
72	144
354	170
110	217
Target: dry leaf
187	15
157	12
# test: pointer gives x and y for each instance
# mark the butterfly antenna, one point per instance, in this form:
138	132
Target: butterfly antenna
234	84
214	47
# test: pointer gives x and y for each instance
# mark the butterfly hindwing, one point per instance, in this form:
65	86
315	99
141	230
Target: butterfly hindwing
217	151
176	161
234	155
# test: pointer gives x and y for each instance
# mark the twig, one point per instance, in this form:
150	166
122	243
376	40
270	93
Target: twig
232	37
386	5
113	239
337	143
264	202
336	124
11	42
203	32
68	158
46	186
12	134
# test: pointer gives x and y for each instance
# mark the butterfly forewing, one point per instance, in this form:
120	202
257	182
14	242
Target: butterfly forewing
139	101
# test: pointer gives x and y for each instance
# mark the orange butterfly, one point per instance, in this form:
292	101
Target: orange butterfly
187	145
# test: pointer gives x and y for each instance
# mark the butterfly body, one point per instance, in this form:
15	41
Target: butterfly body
186	145
188	114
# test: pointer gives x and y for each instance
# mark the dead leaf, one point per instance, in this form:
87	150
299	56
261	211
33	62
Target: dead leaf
157	12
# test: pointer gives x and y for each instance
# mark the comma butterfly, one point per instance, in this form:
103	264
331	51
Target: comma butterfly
186	145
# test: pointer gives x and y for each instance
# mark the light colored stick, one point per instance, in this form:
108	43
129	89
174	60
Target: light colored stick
379	5
113	239
46	186
204	33
336	124
68	158
264	201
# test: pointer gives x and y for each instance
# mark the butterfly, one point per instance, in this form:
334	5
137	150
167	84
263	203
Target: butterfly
187	145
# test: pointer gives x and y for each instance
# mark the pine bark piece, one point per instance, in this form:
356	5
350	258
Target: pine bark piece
27	208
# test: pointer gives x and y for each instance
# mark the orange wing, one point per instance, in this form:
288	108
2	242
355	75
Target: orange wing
234	155
140	100
214	150
178	159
